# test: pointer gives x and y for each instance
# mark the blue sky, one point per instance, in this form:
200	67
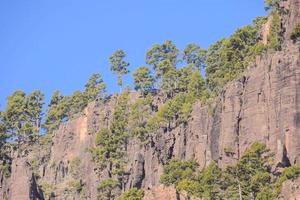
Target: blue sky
58	44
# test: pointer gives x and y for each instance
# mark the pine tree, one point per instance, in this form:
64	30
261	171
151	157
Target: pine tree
132	194
14	115
95	88
55	112
23	114
162	57
34	106
118	65
143	80
195	55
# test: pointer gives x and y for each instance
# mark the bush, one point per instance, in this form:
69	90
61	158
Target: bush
47	189
292	172
274	39
296	33
177	110
5	169
106	188
132	194
176	170
76	185
75	169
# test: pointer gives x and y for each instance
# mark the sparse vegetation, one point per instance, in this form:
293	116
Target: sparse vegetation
274	38
106	189
132	194
296	33
170	83
48	189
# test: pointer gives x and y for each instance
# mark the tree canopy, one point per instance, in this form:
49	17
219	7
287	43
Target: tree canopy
118	65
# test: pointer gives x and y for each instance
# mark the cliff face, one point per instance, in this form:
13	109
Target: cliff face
263	104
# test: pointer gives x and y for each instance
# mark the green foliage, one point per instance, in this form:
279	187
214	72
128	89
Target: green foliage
191	187
249	178
111	142
296	33
258	22
169	82
95	88
76	185
23	114
292	172
140	113
210	180
120	119
5	160
132	194
229	151
274	39
5	168
3	134
250	173
55	113
228	57
176	110
190	80
162	57
196	86
206	184
106	189
176	170
34	165
34	105
106	150
195	55
48	189
118	65
45	140
270	4
143	80
75	103
75	168
62	108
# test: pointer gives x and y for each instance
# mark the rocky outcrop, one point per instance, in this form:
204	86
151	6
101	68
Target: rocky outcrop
290	190
263	104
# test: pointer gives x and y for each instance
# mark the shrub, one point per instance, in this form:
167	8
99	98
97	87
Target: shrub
132	194
75	169
76	185
176	110
274	39
106	187
296	33
176	170
47	189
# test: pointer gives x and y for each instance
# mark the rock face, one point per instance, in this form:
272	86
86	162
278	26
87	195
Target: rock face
263	104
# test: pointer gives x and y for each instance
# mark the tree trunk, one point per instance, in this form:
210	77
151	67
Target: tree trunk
240	191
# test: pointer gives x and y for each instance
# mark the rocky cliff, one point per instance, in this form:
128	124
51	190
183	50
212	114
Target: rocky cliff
263	104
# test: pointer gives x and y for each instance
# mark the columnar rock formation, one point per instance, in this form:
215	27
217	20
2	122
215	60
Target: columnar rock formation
263	104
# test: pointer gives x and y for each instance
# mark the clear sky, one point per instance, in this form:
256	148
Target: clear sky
57	44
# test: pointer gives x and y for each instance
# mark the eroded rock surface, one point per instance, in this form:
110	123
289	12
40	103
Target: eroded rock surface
263	104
